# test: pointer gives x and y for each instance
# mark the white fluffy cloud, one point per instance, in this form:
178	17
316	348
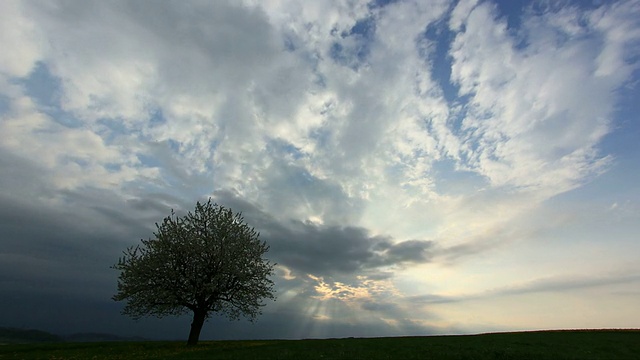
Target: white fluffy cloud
344	88
538	111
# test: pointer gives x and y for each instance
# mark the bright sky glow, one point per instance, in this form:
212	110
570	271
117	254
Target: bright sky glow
418	167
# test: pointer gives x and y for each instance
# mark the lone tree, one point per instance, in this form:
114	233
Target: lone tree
206	262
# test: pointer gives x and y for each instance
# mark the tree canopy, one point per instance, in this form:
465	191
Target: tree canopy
209	261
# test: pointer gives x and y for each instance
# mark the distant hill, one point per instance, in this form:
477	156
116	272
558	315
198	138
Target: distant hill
17	336
26	336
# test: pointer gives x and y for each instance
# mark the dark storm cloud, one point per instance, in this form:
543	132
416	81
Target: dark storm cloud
410	251
321	250
62	250
19	177
57	256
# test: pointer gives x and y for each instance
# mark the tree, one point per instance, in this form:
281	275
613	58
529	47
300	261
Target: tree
205	262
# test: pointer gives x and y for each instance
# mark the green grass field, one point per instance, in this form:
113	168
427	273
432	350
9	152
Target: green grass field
526	345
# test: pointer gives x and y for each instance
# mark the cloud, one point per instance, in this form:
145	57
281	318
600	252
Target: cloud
559	284
21	36
460	14
538	107
147	116
55	252
567	284
325	250
149	88
416	251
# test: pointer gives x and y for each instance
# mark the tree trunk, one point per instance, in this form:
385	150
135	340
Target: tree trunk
196	325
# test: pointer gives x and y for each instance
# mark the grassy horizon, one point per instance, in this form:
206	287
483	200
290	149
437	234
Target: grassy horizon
550	344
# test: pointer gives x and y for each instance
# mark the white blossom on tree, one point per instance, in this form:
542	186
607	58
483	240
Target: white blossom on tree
209	261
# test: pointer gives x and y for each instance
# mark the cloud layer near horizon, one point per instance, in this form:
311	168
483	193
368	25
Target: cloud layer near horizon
371	143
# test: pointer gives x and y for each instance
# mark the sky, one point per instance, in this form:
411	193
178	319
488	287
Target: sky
417	167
